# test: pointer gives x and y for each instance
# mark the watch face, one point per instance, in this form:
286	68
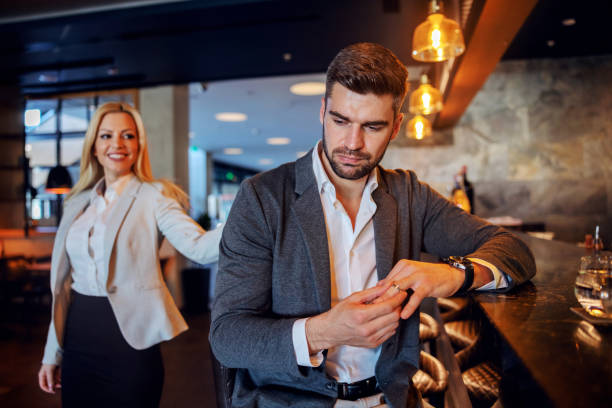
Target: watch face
457	262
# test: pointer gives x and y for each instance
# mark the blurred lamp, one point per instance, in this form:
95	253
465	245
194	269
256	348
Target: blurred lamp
308	88
426	99
58	181
418	128
438	38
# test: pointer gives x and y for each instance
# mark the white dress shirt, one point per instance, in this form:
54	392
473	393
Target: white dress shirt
85	239
352	255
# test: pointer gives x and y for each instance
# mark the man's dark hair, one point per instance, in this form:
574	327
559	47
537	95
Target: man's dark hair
368	68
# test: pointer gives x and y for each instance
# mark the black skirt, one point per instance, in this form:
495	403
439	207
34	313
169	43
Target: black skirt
99	368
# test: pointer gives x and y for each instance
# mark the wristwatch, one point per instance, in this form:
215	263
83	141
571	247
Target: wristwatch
466	266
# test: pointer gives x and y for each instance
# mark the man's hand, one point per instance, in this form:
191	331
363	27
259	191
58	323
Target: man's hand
355	321
428	279
49	378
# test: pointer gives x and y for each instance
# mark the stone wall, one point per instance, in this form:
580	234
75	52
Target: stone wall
537	140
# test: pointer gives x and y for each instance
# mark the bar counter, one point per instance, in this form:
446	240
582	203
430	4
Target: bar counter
568	358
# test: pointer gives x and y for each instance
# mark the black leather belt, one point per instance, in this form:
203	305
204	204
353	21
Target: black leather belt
359	389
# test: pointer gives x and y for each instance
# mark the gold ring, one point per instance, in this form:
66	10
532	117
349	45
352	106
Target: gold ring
396	286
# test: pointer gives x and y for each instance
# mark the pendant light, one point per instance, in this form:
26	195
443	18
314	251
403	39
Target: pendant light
438	38
418	128
59	180
426	99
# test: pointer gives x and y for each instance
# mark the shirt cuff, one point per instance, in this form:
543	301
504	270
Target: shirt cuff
499	278
300	346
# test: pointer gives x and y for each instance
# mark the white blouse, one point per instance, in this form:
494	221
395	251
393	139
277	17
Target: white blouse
85	238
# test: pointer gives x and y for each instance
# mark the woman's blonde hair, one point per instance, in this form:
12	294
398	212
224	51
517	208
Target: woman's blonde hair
92	171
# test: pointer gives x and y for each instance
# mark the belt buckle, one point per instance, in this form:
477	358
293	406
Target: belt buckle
343	390
359	389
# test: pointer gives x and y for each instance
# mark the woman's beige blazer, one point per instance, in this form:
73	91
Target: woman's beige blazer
136	290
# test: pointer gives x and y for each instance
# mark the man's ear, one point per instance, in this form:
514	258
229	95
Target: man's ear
397	125
322	111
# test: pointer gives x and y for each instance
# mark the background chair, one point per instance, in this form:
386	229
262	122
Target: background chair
224	378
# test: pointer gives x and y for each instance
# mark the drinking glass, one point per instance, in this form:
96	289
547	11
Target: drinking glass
593	287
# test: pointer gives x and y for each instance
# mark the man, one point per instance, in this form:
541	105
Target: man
318	255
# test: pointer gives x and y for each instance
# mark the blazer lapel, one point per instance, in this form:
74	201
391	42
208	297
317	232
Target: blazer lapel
124	202
309	214
60	266
385	227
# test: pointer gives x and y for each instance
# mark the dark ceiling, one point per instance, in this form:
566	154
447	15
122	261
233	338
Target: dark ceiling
588	36
77	45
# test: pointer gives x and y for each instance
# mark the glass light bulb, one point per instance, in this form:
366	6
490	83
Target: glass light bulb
426	98
418	128
435	38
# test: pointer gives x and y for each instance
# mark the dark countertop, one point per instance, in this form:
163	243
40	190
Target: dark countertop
570	359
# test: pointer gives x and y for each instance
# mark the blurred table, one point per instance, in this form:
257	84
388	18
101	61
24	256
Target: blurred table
517	224
39	268
568	358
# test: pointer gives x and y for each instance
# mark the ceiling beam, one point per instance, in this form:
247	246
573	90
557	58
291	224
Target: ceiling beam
499	22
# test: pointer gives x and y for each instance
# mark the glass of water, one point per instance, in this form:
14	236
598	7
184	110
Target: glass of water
593	286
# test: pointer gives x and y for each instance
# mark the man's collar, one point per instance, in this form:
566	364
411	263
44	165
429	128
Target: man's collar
317	166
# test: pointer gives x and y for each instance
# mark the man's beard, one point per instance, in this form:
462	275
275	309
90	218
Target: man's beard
352	172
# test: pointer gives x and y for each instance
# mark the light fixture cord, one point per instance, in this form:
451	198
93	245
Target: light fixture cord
436	7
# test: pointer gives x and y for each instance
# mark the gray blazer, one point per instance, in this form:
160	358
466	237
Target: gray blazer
142	304
274	269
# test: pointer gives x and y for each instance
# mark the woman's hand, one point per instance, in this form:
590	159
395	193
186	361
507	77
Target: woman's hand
49	378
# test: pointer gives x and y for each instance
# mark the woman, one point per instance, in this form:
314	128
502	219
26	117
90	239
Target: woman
111	308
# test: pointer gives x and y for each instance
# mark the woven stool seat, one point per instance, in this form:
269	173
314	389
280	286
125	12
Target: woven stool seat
429	328
482	382
432	376
467	356
451	308
462	333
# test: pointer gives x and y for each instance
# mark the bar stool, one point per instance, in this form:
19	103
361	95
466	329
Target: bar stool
482	382
429	328
480	375
432	377
224	378
463	335
452	308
